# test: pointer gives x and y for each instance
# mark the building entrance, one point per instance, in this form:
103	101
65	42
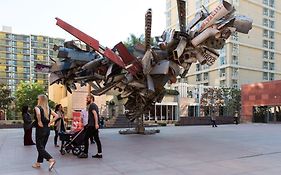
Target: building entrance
266	114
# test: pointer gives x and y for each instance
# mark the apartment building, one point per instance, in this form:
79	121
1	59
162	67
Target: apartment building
251	58
19	53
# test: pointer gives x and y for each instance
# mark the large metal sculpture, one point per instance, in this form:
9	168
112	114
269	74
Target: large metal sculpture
139	77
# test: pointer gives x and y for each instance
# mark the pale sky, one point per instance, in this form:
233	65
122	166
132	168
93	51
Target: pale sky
108	21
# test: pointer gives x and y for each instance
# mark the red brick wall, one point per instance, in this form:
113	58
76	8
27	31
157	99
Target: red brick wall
259	94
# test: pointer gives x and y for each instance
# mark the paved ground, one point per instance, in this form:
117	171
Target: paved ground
192	150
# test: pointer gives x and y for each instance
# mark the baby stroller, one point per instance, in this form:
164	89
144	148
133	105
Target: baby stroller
72	141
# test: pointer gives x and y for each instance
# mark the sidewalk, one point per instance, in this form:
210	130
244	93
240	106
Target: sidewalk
252	149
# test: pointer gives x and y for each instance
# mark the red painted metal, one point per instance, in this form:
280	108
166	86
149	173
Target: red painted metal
91	42
113	57
78	34
134	66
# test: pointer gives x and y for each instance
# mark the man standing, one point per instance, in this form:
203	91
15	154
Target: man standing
84	115
236	117
92	129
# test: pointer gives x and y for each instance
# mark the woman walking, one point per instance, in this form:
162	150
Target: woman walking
59	123
43	113
27	126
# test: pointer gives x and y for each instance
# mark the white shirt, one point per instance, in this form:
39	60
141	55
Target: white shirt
84	115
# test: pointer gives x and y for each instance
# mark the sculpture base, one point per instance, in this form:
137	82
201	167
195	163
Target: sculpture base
143	132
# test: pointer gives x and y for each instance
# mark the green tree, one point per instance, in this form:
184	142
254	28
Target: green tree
232	100
132	40
27	93
5	97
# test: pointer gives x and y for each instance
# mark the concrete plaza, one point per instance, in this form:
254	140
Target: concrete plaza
246	149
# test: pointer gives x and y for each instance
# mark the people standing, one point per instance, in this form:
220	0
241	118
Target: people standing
59	123
84	115
92	129
27	126
43	121
236	117
213	119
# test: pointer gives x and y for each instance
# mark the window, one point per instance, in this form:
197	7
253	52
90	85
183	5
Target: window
222	60
206	76
198	67
271	55
271	34
265	54
271	66
271	14
265	65
265	22
271	3
265	11
235	72
271	45
265	76
222	73
265	44
265	33
198	77
271	76
271	24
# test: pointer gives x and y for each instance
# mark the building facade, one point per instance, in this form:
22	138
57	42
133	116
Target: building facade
19	53
261	102
251	58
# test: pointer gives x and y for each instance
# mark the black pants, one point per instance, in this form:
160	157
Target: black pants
92	132
27	140
214	123
42	135
56	137
236	120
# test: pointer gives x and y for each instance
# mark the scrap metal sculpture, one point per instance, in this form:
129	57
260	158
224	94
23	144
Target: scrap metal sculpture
139	77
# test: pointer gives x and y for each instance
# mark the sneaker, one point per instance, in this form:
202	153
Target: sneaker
57	146
98	156
93	142
83	155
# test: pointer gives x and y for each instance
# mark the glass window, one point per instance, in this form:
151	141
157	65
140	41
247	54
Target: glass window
271	66
271	45
198	67
265	44
265	11
265	54
265	33
271	24
206	76
271	35
271	3
265	22
271	14
271	55
265	76
271	76
198	77
265	65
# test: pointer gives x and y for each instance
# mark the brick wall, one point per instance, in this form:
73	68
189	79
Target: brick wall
259	94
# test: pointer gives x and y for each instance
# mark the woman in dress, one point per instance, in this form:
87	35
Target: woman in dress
43	121
27	126
59	123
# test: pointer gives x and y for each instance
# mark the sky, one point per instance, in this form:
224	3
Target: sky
109	21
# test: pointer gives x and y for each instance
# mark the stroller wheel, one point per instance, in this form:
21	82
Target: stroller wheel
82	147
62	152
76	151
